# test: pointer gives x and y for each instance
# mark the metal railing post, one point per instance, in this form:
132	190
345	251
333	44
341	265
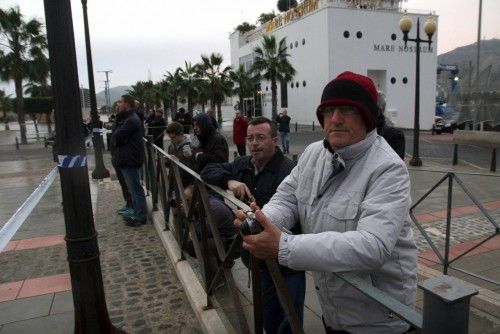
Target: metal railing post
455	154
446	263
446	305
493	165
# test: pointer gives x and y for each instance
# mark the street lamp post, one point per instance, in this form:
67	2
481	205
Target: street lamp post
100	170
91	314
430	28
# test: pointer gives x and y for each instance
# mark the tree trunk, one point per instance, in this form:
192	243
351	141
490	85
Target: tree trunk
6	121
49	122
20	109
274	98
219	114
35	123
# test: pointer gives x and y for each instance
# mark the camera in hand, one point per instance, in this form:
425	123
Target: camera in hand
250	225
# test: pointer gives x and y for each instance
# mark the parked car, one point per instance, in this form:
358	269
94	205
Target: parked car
443	125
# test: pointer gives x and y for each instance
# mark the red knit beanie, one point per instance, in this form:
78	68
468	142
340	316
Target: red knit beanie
351	89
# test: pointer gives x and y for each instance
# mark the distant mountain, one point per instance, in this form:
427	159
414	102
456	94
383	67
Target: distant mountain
114	92
465	58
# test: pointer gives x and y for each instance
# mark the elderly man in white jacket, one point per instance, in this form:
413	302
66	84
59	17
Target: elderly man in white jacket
351	195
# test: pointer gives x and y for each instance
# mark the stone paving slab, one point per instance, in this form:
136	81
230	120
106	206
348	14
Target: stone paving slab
23	309
54	324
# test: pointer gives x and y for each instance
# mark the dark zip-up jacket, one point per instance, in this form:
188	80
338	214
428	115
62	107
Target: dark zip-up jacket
127	148
263	185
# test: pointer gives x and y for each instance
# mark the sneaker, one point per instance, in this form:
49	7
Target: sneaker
127	213
122	210
134	222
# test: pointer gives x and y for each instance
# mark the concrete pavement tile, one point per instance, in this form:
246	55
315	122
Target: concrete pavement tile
63	302
54	324
11	245
50	240
493	243
44	285
23	309
9	291
492	205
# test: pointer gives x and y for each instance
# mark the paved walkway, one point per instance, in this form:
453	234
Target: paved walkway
143	292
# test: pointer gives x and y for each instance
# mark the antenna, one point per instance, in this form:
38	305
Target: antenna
106	87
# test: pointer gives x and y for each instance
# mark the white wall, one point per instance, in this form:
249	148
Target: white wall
326	53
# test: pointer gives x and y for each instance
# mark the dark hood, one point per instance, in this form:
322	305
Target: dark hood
205	124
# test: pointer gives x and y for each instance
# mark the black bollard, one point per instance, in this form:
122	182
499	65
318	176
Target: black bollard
313	125
295	126
17	144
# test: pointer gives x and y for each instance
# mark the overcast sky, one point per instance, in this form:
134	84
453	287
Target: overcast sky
134	38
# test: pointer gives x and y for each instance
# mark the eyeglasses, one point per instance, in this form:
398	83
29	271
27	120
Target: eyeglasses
344	110
257	138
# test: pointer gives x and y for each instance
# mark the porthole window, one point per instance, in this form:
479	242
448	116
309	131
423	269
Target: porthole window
359	34
393	80
296	43
405	80
393	37
303	41
297	84
346	34
267	88
304	83
291	85
291	45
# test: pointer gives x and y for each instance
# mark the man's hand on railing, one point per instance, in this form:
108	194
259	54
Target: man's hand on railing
240	190
265	244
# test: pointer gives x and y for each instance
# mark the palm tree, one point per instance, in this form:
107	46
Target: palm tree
245	83
37	90
189	75
271	63
22	47
5	105
145	92
218	81
174	82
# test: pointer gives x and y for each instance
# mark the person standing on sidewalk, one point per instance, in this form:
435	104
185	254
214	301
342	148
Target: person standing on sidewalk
255	178
283	121
351	195
129	156
240	125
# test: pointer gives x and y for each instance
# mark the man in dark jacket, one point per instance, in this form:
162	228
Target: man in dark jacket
213	146
256	178
283	121
128	155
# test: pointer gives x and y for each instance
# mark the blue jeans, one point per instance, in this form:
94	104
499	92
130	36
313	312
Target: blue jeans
285	142
274	318
132	178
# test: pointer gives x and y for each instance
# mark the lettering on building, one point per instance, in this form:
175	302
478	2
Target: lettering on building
292	14
400	48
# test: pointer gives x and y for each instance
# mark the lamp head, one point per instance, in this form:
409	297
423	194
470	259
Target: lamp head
405	24
430	26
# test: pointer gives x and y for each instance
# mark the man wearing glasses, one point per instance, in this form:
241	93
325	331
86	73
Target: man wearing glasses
351	195
255	178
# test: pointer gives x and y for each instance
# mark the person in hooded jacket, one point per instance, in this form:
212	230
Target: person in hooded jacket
212	147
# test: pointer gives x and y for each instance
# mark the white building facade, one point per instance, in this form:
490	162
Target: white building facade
327	37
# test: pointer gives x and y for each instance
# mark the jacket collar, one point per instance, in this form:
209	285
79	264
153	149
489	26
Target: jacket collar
273	165
352	152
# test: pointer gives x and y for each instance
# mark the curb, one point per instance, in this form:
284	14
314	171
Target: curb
486	301
209	319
